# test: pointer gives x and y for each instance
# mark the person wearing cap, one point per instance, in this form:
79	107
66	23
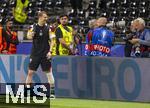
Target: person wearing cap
64	37
9	38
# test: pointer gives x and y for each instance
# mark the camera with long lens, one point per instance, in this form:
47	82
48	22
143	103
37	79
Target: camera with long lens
116	24
129	36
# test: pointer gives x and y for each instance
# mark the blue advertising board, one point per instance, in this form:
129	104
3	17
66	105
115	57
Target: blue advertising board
102	78
110	78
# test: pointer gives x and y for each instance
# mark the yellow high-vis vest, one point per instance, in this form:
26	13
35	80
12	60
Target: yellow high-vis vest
53	39
68	37
19	13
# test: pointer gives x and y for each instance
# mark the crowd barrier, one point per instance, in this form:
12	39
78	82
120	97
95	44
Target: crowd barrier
111	78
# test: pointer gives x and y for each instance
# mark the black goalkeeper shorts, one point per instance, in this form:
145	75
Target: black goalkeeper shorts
35	61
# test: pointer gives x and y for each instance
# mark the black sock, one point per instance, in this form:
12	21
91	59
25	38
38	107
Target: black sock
52	90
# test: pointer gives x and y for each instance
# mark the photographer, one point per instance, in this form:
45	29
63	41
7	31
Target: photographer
128	45
101	41
92	26
141	43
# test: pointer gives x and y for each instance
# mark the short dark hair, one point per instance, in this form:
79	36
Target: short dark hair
63	15
53	20
41	13
8	19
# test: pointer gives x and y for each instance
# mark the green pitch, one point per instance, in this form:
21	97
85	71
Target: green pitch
32	104
81	103
77	103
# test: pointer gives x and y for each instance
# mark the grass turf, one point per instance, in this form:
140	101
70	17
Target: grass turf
79	103
32	104
83	103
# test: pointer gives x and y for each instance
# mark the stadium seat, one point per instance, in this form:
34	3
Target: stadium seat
73	21
11	3
134	4
104	14
72	13
1	19
113	4
124	3
83	22
59	5
40	4
143	4
144	12
92	4
115	13
81	14
32	5
31	13
49	6
3	11
102	4
124	12
4	4
70	22
31	20
92	13
134	13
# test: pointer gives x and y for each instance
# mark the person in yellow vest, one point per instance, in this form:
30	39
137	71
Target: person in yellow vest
53	25
20	11
64	37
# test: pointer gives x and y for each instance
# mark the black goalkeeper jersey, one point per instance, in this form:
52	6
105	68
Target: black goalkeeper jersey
40	40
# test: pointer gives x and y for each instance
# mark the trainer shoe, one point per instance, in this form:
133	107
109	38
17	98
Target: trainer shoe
52	96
